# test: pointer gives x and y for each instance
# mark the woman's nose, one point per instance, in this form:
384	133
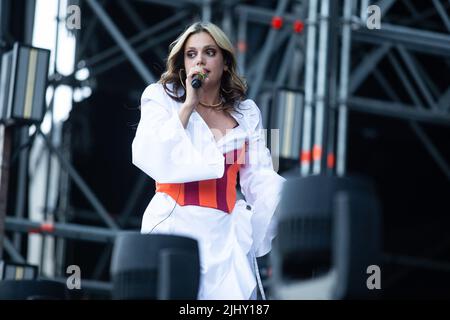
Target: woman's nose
200	61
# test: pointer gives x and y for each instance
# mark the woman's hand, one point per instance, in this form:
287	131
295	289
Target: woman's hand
193	95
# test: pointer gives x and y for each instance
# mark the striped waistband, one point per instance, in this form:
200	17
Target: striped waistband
215	193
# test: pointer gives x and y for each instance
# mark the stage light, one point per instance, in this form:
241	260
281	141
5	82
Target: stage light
17	271
287	116
23	82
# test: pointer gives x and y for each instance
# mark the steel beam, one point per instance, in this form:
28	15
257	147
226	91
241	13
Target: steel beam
431	148
397	110
22	174
322	88
442	13
228	21
4	22
266	52
81	184
423	74
384	83
420	133
444	100
242	41
405	81
264	16
65	230
176	4
422	16
305	157
132	14
82	45
434	152
29	21
366	66
414	39
253	70
135	60
385	5
363	10
14	255
332	93
286	62
96	70
206	10
159	28
5	167
135	193
411	8
341	148
92	218
418	79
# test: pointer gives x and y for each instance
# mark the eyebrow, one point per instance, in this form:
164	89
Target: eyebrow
209	46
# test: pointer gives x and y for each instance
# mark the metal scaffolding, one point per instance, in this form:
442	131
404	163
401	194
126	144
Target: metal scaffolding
305	46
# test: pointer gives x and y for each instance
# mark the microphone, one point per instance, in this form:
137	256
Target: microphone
197	80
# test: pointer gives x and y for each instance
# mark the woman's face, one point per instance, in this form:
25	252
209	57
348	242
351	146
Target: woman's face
201	50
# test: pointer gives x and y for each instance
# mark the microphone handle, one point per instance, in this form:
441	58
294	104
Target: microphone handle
196	83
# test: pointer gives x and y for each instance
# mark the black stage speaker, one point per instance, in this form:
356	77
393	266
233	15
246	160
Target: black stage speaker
32	290
155	266
326	223
356	243
23	82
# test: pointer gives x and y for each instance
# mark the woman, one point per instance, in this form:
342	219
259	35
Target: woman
193	143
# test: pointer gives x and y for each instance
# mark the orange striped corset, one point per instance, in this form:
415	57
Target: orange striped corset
215	193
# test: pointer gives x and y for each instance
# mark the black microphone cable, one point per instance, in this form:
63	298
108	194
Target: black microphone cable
176	201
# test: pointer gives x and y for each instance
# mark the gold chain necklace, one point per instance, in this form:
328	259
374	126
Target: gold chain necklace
212	105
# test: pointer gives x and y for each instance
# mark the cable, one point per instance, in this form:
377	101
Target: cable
176	201
258	279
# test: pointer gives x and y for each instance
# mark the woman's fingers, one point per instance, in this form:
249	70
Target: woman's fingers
192	95
196	70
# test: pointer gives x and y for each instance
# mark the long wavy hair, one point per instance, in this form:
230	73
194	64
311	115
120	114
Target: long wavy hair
233	87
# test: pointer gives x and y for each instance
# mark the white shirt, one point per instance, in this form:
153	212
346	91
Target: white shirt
169	153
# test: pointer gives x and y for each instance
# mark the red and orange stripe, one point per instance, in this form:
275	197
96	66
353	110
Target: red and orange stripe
215	193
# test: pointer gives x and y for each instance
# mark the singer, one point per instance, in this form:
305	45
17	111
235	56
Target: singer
194	142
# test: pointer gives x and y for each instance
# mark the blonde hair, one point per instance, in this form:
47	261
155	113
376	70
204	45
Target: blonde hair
233	87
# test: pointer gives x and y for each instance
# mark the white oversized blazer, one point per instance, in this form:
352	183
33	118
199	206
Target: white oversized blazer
169	153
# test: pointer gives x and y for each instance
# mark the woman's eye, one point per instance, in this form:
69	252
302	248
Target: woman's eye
190	54
210	53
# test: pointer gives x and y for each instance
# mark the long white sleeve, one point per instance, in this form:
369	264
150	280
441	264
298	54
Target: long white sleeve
260	185
162	147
